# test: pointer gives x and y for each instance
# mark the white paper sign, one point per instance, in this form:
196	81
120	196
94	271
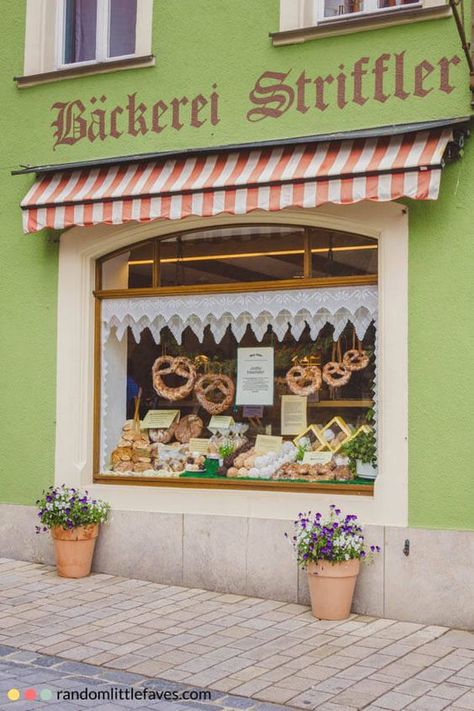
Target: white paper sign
293	414
255	376
317	457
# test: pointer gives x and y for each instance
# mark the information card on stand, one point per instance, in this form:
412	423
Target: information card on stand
221	422
268	443
159	419
198	445
293	414
255	376
317	457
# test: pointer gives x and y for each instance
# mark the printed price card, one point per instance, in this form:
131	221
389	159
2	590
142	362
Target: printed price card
199	445
317	457
268	443
159	419
221	422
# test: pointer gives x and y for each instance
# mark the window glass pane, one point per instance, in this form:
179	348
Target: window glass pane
240	254
123	24
336	254
332	8
335	414
395	3
129	270
80	31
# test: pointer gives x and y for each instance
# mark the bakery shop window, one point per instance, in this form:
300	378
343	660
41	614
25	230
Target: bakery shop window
248	354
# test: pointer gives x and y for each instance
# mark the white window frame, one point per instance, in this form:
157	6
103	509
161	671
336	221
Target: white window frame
102	36
80	247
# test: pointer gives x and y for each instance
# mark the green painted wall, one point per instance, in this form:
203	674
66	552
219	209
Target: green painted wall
441	344
199	43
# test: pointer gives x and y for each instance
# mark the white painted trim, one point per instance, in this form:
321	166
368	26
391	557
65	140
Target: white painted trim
80	247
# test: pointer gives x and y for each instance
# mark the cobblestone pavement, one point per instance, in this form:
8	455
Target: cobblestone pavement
272	655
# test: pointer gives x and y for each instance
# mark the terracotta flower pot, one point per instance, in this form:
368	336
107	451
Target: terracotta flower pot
331	587
74	549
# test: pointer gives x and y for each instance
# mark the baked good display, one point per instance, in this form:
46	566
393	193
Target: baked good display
215	393
304	380
189	427
163	436
355	359
171	365
133	451
336	374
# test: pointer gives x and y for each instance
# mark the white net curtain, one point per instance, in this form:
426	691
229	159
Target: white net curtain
280	309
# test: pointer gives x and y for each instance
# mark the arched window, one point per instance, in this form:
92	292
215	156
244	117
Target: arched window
257	338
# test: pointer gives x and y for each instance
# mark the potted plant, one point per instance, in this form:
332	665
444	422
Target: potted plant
362	453
330	550
73	518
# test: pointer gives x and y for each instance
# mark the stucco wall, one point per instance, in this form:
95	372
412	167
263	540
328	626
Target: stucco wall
441	344
227	43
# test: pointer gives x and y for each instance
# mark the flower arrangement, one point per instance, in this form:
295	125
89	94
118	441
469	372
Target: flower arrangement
337	538
363	447
226	449
64	507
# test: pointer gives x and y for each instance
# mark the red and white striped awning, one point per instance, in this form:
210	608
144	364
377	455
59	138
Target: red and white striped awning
238	182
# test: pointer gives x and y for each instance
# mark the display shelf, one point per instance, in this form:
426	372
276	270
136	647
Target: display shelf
342	403
356	487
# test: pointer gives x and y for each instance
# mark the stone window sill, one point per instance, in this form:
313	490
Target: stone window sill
73	72
361	23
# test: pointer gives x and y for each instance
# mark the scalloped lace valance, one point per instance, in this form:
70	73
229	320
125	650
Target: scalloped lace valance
281	309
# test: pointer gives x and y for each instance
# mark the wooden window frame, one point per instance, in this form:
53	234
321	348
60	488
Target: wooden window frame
307	282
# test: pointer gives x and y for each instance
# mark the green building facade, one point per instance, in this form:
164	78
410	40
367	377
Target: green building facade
211	78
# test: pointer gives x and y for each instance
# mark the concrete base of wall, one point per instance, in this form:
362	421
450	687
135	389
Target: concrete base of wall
248	556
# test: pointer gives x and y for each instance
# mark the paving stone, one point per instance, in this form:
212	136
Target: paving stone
414	687
275	693
447	690
309	699
434	674
394	701
465	702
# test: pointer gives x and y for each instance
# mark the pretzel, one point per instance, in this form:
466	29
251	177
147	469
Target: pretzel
213	384
189	427
303	380
356	359
336	374
169	365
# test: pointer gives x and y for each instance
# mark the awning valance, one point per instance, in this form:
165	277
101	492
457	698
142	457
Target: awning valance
238	182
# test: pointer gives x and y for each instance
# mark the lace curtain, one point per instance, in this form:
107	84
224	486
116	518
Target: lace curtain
281	309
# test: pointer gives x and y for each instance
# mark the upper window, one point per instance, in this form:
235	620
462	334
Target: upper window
327	9
64	34
98	30
307	14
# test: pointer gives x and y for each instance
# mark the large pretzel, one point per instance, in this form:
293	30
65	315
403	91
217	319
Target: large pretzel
207	385
336	374
356	359
169	365
304	380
